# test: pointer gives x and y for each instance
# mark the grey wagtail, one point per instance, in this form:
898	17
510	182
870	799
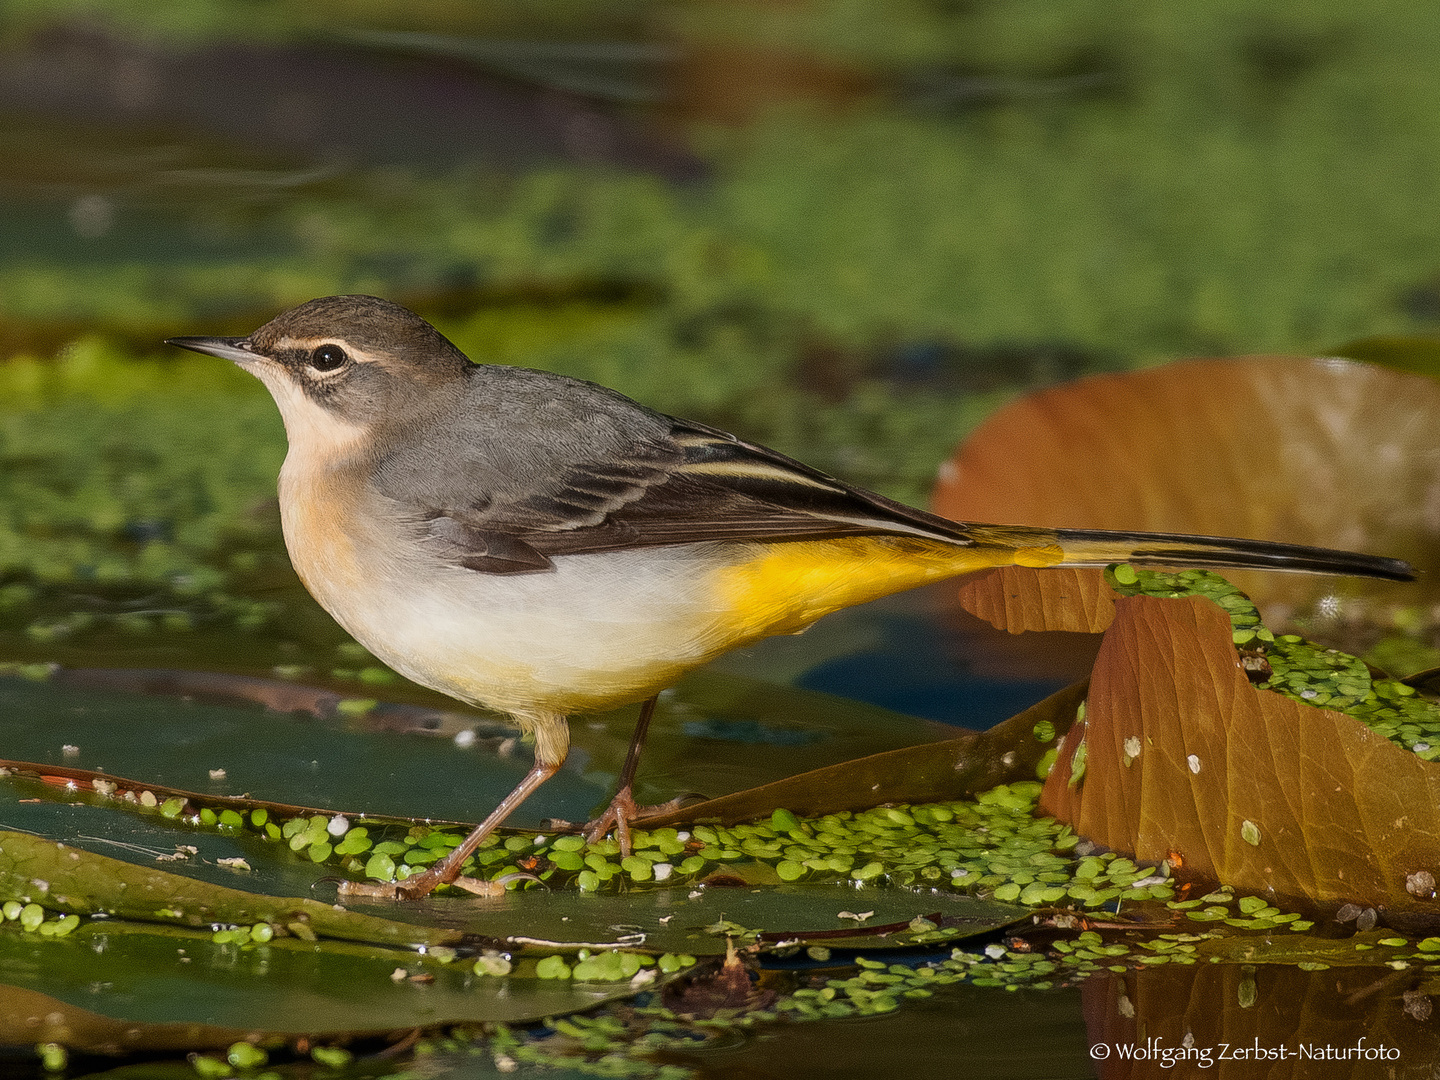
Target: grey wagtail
543	546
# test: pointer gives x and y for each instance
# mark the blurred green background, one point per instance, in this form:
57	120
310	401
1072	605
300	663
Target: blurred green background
848	228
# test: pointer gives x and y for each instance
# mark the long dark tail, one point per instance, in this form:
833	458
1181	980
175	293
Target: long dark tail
1093	547
1035	546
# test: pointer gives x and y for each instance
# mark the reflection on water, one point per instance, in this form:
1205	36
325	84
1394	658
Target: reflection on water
1263	1020
966	1032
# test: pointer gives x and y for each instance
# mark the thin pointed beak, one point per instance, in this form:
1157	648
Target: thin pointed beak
227	348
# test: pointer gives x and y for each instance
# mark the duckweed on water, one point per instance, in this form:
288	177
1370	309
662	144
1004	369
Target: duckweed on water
1300	669
32	918
991	846
332	1057
620	1039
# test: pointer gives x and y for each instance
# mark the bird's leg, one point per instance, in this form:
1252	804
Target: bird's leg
622	809
552	744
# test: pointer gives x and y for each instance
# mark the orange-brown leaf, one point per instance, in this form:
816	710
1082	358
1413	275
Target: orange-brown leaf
1324	452
1247	786
952	769
1019	598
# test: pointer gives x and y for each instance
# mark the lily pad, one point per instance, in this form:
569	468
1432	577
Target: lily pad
1325	452
36	870
694	921
280	757
952	769
29	1016
704	738
1237	783
180	985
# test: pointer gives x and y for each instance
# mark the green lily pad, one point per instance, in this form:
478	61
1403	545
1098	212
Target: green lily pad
169	979
685	920
69	879
169	741
703	739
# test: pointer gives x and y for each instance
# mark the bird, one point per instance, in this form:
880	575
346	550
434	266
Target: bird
543	546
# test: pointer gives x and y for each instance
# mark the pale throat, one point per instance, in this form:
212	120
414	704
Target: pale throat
318	437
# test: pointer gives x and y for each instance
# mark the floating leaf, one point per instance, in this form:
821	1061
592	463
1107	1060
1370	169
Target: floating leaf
952	769
102	788
1324	452
675	921
277	757
1019	598
170	985
1242	784
266	991
28	1017
70	879
703	739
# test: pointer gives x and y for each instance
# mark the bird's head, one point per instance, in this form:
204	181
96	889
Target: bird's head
344	370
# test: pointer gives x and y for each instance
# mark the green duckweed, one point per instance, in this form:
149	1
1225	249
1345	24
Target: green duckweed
244	1055
331	1057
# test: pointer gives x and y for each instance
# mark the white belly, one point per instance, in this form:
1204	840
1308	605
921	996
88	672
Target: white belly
596	632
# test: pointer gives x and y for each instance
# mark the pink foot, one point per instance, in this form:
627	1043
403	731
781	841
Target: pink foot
622	812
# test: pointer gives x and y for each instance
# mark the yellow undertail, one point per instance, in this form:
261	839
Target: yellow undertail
791	584
786	586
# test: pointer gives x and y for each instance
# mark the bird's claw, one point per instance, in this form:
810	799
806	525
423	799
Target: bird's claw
618	815
622	813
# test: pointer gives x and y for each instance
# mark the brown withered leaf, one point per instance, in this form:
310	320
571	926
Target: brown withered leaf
1184	756
1021	598
951	769
1326	452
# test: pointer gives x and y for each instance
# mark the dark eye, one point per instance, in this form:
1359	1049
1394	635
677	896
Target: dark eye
328	358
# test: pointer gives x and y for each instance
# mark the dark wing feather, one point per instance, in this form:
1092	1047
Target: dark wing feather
699	484
727	489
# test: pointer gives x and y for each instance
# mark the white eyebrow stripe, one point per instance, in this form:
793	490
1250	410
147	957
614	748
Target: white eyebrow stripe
312	343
